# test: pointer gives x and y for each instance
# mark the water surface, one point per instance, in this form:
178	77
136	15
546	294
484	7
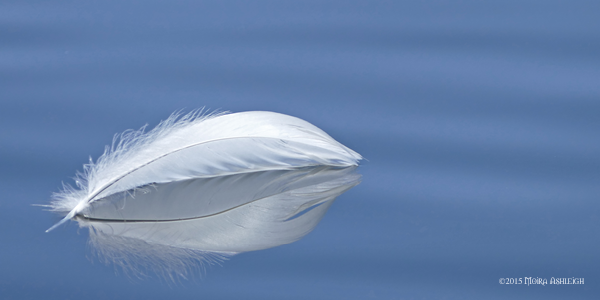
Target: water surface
478	121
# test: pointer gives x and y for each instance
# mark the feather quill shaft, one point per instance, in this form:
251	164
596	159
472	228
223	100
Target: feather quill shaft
202	146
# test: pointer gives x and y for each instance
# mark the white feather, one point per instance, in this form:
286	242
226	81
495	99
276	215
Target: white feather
197	146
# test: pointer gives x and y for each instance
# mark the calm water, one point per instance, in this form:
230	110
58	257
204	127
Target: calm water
479	122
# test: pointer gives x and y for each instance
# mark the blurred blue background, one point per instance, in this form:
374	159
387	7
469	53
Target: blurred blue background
479	122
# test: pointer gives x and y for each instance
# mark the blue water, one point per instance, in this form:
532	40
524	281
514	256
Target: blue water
479	122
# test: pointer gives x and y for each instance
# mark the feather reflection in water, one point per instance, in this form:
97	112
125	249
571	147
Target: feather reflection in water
171	228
